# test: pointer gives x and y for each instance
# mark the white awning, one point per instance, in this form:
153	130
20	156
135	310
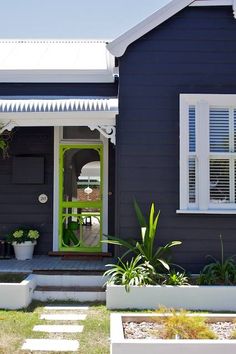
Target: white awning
94	112
55	61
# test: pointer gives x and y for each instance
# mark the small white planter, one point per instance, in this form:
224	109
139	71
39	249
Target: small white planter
24	251
120	345
192	297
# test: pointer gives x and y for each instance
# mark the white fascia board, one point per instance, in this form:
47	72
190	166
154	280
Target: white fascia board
212	3
120	44
62	76
57	119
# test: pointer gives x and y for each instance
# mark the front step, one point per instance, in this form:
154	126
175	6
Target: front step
86	285
75	293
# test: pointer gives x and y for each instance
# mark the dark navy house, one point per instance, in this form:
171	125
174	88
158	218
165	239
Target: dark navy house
152	115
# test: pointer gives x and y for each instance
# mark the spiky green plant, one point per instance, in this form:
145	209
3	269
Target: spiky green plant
146	246
130	273
220	271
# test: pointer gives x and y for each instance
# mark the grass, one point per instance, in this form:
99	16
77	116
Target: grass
16	326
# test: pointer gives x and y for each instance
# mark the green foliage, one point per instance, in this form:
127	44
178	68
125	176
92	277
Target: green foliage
181	325
5	138
220	271
23	235
158	257
176	278
130	273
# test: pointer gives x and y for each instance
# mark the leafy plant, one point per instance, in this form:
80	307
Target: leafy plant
130	273
220	271
5	138
176	278
181	325
23	235
156	256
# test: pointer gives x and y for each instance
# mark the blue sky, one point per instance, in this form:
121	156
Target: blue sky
104	19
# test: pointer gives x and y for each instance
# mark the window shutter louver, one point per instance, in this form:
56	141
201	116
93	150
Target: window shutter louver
219	130
192	129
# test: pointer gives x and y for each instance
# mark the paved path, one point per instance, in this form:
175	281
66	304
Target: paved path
57	344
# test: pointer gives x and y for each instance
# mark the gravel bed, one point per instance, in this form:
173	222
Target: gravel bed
148	330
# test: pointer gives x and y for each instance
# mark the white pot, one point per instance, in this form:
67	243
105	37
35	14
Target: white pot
24	250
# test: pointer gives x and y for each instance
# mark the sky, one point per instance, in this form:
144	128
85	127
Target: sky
82	19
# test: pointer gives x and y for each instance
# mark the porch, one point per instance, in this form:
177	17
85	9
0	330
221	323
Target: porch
50	264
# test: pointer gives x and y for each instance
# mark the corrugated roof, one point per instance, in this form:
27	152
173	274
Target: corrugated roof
59	60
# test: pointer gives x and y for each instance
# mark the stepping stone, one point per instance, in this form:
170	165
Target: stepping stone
63	317
65	308
52	345
59	328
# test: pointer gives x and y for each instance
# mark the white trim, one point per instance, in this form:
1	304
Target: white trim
202	149
56	188
208	211
212	3
118	46
184	147
65	76
105	189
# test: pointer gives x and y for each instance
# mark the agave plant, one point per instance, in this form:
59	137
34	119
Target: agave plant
130	273
146	247
220	271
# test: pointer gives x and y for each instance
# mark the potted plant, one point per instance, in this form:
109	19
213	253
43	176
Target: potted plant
23	241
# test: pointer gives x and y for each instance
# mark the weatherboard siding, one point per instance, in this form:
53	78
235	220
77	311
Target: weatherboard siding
192	52
19	205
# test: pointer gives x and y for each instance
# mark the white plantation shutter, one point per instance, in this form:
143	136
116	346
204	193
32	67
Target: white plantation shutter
192	156
208	157
192	180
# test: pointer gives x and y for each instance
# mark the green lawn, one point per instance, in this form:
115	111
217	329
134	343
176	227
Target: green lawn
17	326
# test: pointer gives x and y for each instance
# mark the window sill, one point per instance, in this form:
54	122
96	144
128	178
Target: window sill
208	211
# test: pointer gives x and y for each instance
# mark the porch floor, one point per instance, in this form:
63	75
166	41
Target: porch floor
51	263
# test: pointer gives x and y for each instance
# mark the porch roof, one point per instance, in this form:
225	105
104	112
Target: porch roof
55	61
94	112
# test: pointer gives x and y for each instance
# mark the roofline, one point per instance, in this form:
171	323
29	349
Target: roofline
118	46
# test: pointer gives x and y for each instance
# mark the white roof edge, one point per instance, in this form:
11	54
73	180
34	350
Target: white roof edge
120	44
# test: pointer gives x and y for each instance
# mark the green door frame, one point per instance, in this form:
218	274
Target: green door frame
98	204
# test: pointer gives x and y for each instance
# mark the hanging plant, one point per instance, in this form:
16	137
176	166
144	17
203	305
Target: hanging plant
5	138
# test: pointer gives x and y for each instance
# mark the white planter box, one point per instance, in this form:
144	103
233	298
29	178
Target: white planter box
211	298
17	295
120	345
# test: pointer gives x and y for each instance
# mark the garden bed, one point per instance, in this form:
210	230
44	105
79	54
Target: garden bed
121	323
190	297
18	294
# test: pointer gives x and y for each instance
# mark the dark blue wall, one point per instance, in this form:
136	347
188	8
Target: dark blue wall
19	206
193	52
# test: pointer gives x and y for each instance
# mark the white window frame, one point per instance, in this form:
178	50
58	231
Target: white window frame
202	102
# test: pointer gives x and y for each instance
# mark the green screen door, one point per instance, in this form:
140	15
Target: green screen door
80	205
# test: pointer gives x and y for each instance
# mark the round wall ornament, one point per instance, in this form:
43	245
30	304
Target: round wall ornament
43	198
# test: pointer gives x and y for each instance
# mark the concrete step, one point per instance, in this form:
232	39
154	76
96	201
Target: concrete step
70	280
75	293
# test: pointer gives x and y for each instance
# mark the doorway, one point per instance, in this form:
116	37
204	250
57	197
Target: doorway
80	198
